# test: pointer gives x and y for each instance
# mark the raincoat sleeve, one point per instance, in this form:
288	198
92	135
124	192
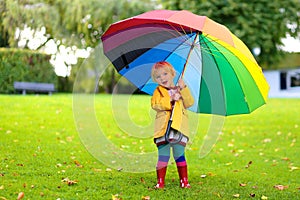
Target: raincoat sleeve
161	100
187	97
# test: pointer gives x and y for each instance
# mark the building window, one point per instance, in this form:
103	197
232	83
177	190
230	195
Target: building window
283	81
295	79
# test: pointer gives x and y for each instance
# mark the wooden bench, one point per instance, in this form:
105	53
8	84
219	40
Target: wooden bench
34	87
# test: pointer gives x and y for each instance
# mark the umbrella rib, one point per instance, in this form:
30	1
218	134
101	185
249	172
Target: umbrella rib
208	50
183	41
213	56
235	74
177	31
184	35
179	44
188	56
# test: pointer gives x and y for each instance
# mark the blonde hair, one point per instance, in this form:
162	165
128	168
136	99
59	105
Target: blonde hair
162	64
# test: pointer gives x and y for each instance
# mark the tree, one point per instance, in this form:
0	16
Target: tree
18	14
73	22
260	24
67	22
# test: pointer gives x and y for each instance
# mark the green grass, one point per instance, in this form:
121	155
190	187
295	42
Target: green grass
40	147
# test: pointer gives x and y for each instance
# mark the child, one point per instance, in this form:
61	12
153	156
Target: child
165	97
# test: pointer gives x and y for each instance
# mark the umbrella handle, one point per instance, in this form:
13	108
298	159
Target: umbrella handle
167	134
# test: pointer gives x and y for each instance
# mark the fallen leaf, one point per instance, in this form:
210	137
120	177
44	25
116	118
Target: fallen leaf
97	170
203	176
150	188
125	146
267	140
286	159
236	195
145	197
108	169
230	144
69	182
280	187
249	163
115	197
69	138
211	174
292	168
252	195
20	195
243	184
120	169
263	197
143	180
16	174
78	164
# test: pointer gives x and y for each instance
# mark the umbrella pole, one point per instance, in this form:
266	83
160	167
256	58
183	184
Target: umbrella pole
188	56
167	134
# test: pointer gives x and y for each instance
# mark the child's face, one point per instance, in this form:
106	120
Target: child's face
164	77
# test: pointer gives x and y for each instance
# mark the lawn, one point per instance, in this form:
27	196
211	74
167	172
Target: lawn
44	142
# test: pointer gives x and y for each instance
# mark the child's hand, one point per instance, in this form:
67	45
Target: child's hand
181	84
176	96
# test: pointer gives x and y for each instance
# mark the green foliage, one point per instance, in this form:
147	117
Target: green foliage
258	23
288	61
73	22
67	22
85	21
41	152
24	65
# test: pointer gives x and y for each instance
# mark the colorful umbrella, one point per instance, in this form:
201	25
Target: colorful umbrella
221	72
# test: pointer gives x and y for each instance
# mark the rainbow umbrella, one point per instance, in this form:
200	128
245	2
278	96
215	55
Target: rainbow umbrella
219	69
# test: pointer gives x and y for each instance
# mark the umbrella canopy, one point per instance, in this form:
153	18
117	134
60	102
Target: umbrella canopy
221	72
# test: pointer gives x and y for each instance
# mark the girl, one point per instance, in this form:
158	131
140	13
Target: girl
166	97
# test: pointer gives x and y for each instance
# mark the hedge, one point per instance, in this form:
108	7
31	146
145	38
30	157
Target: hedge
24	65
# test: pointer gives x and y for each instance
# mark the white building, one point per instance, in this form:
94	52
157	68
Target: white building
284	83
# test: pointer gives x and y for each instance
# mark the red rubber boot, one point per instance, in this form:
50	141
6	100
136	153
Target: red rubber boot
161	174
182	171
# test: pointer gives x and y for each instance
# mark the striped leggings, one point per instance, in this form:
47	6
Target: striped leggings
164	151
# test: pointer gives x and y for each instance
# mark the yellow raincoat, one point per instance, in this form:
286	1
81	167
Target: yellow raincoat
161	103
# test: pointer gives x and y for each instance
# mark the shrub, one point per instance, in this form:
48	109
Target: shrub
24	65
